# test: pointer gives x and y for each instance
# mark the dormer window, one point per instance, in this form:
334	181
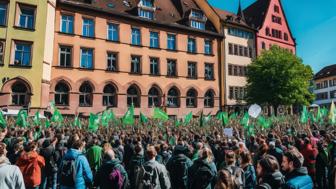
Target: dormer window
197	19
146	9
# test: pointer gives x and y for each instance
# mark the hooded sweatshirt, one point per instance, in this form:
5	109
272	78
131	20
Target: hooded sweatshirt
102	178
10	175
30	164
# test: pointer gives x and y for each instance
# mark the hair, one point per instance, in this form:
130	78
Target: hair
224	180
137	149
269	164
230	157
31	146
293	155
245	157
151	152
77	144
207	154
2	149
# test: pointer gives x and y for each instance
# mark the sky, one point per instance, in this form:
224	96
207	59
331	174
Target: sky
313	24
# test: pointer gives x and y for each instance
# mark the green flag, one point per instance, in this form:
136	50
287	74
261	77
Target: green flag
159	114
93	122
177	123
264	123
188	118
36	119
143	119
47	123
245	120
225	119
128	118
57	117
77	122
304	115
22	118
3	122
105	119
250	130
331	117
233	116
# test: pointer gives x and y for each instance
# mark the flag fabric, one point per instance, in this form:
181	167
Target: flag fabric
105	119
128	118
47	123
264	123
93	122
225	119
3	122
250	130
160	114
57	117
22	118
233	116
177	123
187	118
304	115
331	117
245	120
143	119
36	119
77	122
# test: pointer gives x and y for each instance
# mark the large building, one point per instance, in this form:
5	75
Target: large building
325	86
111	54
268	17
26	51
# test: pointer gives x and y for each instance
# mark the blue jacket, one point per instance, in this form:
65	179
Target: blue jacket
83	171
298	179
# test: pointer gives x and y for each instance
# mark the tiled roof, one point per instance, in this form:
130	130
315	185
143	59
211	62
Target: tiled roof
168	12
326	72
255	14
230	17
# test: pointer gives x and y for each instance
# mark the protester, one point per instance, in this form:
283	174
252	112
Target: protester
135	165
49	173
250	177
224	180
236	172
269	173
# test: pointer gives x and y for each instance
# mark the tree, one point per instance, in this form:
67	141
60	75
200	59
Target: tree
278	77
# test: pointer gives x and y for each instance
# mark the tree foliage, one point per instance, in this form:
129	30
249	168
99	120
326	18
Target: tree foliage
278	77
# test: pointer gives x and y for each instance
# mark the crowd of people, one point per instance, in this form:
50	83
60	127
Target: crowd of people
168	157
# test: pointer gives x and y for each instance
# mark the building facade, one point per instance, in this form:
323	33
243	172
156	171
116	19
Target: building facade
269	19
325	86
146	53
26	41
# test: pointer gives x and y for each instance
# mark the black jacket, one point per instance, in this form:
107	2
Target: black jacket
274	180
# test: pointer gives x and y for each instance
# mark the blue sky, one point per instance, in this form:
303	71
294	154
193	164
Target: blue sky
313	24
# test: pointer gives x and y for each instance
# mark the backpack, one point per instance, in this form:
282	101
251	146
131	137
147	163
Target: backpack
116	178
202	177
179	172
68	172
237	175
148	177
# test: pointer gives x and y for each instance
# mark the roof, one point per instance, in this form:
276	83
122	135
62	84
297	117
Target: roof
326	72
172	13
232	18
255	14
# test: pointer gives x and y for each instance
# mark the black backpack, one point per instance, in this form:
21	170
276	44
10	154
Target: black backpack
68	172
179	172
148	177
202	177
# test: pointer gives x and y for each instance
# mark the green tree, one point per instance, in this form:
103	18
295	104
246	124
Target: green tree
278	77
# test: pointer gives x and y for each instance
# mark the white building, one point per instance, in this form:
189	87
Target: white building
325	86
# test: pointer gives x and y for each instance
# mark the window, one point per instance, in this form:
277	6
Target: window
241	48
136	64
154	40
173	98
246	52
191	45
20	95
197	14
191	100
197	24
133	96
147	3
62	94
263	45
208	71
67	24
2	52
65	56
112	61
276	9
146	14
154	97
230	69
240	33
251	55
26	17
171	42
136	36
3	14
268	32
285	36
276	34
22	54
231	48
276	19
237	93
88	27
110	96
171	68
333	94
197	20
235	49
154	66
209	99
86	58
322	96
192	70
207	46
85	95
113	32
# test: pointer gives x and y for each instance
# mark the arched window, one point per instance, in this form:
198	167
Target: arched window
173	98
133	96
263	45
191	98
85	95
209	99
110	97
20	96
62	94
154	97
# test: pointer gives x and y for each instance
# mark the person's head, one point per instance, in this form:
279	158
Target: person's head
224	180
245	158
32	146
267	165
206	154
3	150
151	152
106	147
138	149
230	158
78	145
292	159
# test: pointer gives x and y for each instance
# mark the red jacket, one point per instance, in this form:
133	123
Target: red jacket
30	164
309	153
